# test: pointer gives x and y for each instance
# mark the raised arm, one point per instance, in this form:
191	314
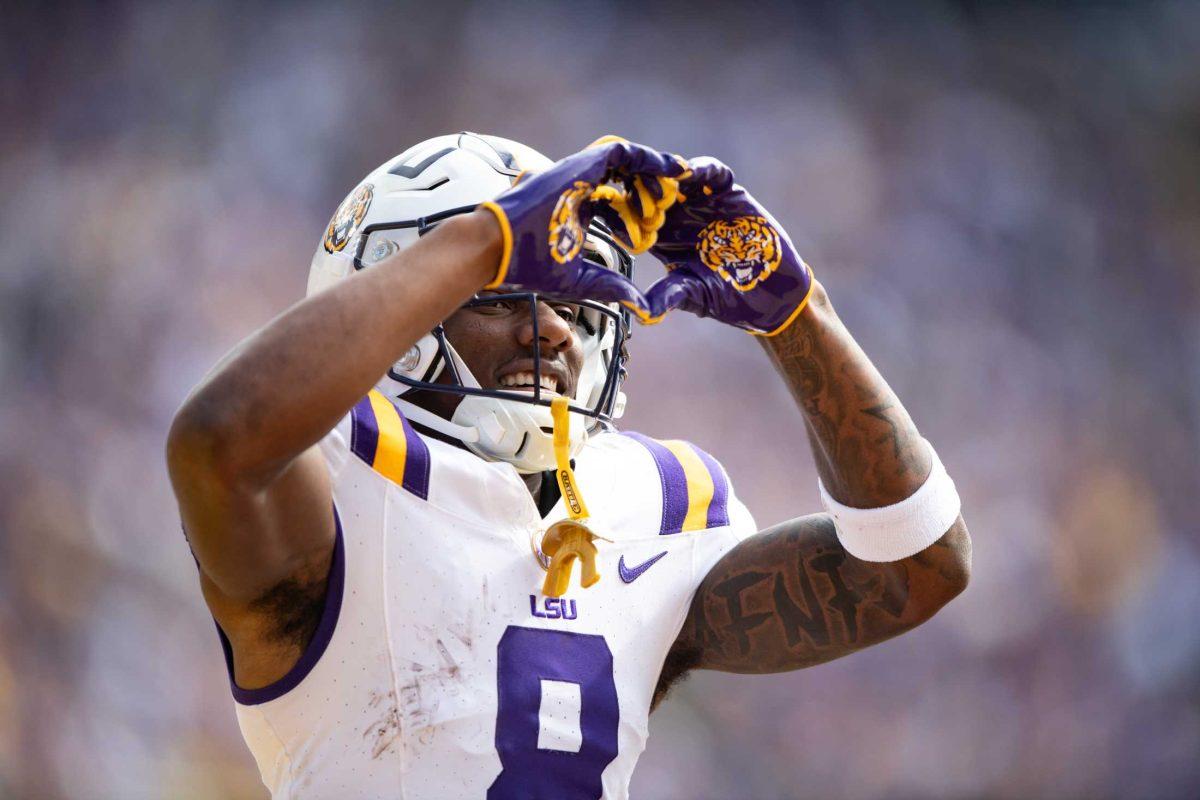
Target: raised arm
253	491
792	596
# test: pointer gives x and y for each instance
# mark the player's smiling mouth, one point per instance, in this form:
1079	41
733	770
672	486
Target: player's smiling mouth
519	376
525	380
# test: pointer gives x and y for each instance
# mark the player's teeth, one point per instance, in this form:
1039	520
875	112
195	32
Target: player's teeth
517	379
522	379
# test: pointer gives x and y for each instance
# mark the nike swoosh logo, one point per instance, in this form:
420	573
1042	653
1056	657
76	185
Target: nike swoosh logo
630	575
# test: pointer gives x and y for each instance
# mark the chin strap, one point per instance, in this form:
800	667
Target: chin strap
414	413
568	539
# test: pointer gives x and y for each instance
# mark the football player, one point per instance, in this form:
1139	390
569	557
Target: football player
389	487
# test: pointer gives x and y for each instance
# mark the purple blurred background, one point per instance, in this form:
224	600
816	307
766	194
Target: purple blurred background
1003	200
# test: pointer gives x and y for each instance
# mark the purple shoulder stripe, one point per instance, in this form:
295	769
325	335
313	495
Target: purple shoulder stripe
369	435
718	509
364	431
674	483
316	647
416	468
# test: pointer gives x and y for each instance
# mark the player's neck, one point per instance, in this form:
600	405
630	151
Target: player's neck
533	481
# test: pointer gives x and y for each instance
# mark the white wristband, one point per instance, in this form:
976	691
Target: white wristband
900	530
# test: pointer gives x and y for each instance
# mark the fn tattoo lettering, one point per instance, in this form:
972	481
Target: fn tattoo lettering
818	600
819	603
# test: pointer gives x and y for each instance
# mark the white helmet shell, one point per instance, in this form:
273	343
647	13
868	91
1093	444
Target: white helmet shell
445	172
382	216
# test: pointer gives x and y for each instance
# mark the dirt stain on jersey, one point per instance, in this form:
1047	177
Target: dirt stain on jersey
385	731
451	669
437	680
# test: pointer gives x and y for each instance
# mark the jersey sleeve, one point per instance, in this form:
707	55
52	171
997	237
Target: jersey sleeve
741	521
376	433
714	544
689	515
693	490
335	446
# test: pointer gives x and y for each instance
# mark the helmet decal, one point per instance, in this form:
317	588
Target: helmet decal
348	217
405	171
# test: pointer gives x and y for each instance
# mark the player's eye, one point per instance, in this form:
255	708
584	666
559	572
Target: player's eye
574	315
568	312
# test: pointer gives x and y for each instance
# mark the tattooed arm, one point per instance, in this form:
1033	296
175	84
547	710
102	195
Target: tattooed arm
791	596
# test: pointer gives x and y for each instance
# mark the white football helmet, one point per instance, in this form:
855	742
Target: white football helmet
403	199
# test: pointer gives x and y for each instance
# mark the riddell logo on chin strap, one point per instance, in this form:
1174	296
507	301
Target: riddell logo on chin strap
569	492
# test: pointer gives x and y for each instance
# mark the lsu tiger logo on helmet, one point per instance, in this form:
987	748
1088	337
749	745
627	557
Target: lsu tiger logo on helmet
566	229
743	251
348	217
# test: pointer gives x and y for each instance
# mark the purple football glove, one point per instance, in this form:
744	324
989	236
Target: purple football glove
727	257
545	217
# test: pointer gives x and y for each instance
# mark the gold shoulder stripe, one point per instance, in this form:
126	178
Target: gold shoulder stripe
392	451
699	484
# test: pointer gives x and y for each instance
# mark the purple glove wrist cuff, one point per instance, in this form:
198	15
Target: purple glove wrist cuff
792	316
507	244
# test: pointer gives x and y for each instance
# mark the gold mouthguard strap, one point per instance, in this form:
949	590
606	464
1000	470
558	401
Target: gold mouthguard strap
567	484
568	540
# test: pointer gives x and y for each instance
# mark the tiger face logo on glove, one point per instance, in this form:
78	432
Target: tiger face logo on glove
743	251
348	217
566	229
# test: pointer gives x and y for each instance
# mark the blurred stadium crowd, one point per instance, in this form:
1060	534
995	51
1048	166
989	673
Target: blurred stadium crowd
1003	200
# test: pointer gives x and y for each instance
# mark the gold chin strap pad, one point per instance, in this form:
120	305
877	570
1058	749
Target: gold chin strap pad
566	541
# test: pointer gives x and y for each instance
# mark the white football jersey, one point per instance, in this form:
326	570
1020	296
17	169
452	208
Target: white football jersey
438	669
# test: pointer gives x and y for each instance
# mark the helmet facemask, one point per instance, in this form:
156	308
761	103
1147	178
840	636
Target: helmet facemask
511	425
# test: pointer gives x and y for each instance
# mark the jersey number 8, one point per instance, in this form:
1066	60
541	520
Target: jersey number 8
536	674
